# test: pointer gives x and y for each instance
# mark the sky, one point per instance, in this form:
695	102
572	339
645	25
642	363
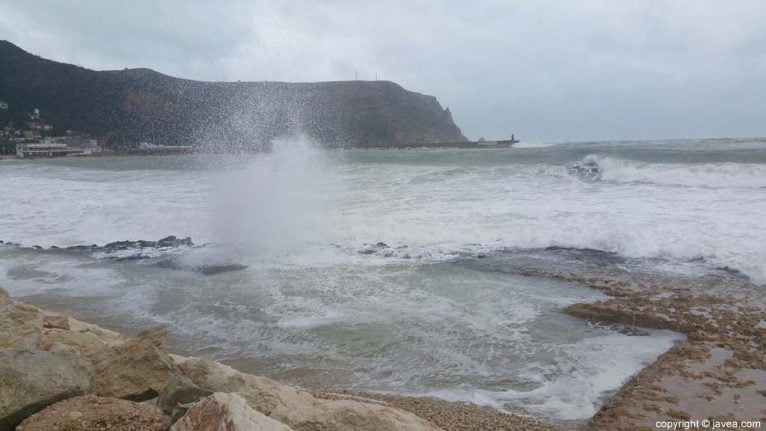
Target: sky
555	70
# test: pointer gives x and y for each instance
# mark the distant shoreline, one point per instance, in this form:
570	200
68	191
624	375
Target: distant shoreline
180	152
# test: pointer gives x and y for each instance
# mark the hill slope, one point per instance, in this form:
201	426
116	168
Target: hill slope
134	105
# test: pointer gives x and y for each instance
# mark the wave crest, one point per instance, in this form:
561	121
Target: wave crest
714	175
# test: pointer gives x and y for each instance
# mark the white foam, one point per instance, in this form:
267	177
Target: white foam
726	175
589	371
533	144
299	218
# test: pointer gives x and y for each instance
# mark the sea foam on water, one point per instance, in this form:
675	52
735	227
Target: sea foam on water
437	309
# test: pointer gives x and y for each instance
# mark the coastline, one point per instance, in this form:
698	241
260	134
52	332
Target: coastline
718	373
135	372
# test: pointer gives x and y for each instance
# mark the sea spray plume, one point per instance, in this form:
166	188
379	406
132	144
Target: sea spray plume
276	202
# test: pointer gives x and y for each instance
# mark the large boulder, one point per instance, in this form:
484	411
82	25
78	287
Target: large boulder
89	345
178	395
138	369
21	325
92	342
92	413
298	409
226	412
261	393
33	379
109	337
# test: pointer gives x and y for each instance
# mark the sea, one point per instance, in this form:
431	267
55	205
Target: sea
438	272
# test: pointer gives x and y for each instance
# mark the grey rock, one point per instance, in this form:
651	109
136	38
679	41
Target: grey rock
92	413
298	409
178	395
138	369
32	379
230	412
21	325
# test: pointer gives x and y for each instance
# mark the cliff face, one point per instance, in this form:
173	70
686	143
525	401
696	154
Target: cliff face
134	105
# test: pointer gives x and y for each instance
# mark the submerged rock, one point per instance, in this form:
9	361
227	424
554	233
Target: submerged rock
118	246
169	241
32	379
92	413
229	412
138	369
217	269
209	269
298	409
373	248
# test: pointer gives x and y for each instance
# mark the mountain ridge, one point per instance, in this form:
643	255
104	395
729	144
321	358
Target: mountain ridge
124	107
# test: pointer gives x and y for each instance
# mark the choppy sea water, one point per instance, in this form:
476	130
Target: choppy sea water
392	270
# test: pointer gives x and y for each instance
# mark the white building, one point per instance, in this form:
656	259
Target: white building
41	149
53	147
3	106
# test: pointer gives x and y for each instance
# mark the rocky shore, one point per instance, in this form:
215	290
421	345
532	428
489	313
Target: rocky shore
58	373
717	374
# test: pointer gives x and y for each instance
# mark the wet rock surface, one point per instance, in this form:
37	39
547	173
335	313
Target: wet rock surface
716	373
163	253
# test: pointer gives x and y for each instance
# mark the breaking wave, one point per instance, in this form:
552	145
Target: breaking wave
715	175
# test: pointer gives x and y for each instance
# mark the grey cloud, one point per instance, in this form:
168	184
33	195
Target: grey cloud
555	70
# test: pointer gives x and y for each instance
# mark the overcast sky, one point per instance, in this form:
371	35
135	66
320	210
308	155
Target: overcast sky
544	70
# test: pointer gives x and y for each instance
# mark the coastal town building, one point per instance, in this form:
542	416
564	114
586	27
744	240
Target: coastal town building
57	147
36	141
3	106
31	134
36	122
41	149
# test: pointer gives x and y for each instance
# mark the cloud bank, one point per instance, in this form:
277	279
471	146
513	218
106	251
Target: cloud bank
554	70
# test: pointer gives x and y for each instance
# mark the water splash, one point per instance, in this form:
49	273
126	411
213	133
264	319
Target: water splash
274	204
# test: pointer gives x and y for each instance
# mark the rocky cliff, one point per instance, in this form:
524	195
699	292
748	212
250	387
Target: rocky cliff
133	105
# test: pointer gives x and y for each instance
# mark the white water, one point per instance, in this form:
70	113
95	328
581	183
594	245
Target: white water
311	309
714	175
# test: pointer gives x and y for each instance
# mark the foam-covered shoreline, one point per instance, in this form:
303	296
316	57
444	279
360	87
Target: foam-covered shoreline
61	373
719	372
